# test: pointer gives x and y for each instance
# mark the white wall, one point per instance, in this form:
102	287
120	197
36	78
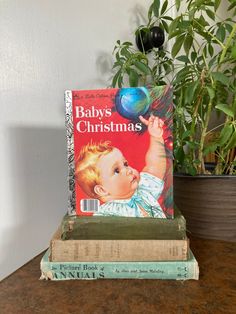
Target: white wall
46	47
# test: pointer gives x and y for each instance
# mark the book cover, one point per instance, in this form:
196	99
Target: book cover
117	250
100	227
178	270
120	152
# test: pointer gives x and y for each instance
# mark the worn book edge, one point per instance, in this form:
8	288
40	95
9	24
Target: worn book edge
177	270
117	250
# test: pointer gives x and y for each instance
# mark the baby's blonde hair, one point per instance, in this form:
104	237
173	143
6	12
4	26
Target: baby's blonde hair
86	171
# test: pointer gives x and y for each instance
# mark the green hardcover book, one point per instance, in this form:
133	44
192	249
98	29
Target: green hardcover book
126	228
178	270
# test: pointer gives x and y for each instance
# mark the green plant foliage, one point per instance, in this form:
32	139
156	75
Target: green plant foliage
200	63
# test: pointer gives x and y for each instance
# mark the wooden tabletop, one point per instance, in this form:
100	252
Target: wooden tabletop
215	292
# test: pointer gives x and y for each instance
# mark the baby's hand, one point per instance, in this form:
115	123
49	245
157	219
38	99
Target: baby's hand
154	125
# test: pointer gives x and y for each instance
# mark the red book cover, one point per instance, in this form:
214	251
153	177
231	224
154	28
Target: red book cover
119	145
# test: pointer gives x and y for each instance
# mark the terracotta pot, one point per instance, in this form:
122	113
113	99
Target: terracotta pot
208	204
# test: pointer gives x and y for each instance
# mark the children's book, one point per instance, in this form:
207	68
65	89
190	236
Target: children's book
178	270
120	152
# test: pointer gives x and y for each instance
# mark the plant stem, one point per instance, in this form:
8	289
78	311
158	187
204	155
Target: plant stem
201	167
227	44
212	36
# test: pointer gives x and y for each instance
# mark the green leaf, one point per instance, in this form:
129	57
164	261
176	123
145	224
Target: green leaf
166	17
165	26
210	50
142	67
211	92
216	4
188	43
173	25
177	45
211	14
233	52
229	27
186	134
133	78
226	109
179	154
177	3
115	78
189	91
125	52
220	34
156	7
163	9
183	58
225	134
232	141
150	12
232	5
211	148
193	56
127	43
175	33
218	76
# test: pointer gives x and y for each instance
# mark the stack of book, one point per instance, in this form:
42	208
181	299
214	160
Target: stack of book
121	221
112	247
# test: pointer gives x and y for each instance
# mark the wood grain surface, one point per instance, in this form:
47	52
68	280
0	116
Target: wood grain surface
215	292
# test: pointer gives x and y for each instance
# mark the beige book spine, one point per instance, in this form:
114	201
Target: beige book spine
117	250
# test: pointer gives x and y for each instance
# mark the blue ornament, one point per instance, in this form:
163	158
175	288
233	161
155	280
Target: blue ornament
132	102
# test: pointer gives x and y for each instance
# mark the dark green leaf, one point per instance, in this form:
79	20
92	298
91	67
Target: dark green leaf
142	67
226	109
133	78
179	154
177	45
211	148
183	58
220	34
175	33
233	52
217	4
228	27
169	18
202	21
210	50
211	14
173	25
193	56
225	134
218	76
165	26
177	3
232	141
186	134
115	79
156	7
150	11
163	9
127	43
125	52
188	43
232	5
189	92
210	92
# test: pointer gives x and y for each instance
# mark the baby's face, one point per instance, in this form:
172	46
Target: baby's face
117	177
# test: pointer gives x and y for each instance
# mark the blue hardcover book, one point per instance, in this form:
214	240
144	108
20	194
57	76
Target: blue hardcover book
177	270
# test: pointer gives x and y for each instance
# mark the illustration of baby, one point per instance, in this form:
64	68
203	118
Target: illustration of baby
103	173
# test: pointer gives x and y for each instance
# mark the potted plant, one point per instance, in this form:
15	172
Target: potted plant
200	63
